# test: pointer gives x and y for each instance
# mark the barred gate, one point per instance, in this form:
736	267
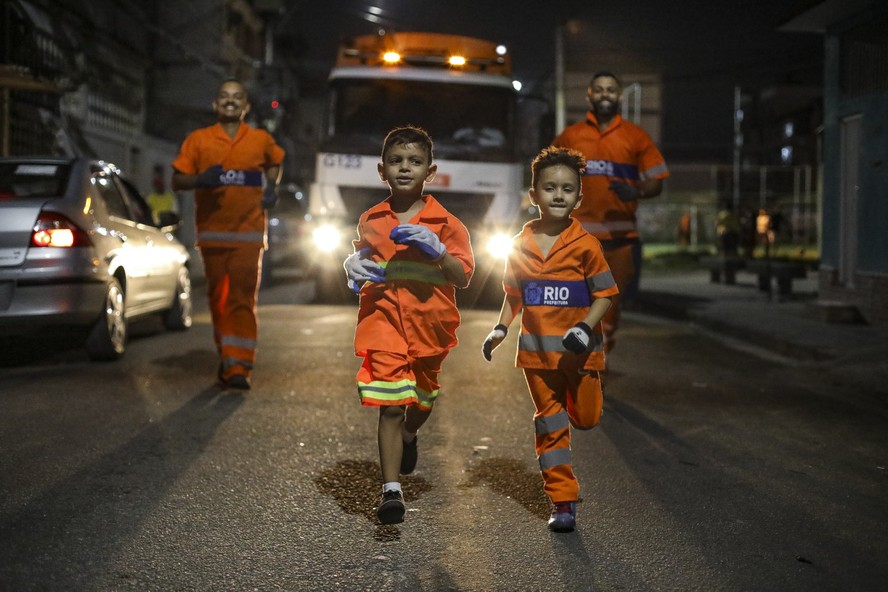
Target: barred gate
703	190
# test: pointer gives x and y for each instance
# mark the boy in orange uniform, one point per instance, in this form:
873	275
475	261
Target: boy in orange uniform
227	164
557	275
410	255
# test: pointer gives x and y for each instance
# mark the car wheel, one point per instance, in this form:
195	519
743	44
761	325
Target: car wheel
107	339
178	316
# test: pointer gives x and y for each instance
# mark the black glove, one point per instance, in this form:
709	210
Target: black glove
624	191
210	177
269	197
493	340
577	338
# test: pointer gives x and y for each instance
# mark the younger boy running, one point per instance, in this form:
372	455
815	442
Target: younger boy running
409	256
556	274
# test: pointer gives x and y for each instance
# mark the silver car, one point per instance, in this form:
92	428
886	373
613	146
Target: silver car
78	247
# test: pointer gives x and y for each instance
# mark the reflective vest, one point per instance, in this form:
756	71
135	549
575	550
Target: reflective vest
556	292
623	152
230	213
414	312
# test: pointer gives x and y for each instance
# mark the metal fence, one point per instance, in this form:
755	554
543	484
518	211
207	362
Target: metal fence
788	194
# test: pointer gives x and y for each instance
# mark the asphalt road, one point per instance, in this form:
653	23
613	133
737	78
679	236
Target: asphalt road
712	470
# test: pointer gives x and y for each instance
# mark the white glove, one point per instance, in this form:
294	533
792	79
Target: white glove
421	237
360	268
493	340
577	338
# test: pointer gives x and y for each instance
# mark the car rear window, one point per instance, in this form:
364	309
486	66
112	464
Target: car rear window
22	180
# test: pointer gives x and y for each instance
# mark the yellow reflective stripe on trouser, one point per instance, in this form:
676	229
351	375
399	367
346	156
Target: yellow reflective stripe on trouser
414	270
388	391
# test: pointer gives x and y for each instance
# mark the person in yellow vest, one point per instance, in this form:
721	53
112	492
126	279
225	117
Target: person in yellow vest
161	199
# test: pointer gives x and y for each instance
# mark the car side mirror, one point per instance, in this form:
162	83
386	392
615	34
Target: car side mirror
167	219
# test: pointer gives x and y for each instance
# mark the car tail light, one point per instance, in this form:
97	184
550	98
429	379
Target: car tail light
55	230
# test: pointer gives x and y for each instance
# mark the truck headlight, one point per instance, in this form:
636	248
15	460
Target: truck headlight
327	238
499	245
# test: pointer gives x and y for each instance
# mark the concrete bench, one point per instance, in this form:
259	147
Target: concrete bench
726	265
783	271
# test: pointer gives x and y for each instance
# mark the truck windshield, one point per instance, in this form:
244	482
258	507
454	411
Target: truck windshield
466	121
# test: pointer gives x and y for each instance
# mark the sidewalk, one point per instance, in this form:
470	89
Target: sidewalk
790	330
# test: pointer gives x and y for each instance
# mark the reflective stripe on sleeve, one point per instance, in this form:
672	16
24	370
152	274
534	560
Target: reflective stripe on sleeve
600	281
652	172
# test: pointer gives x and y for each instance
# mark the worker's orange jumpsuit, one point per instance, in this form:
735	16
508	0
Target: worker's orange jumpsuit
556	292
623	152
231	227
407	325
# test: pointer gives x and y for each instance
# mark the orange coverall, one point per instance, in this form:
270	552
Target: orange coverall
623	152
556	292
231	226
407	325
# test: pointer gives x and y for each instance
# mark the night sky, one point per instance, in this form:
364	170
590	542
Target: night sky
701	48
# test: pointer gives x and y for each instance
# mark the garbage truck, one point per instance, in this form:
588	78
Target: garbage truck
457	88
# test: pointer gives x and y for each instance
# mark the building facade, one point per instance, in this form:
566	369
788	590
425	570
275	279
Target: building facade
854	242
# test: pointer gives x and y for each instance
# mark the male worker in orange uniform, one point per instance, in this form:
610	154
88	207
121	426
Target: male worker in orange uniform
622	166
226	164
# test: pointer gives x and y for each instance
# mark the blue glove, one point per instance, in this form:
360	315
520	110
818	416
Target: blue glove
421	237
360	268
577	338
624	191
269	196
210	177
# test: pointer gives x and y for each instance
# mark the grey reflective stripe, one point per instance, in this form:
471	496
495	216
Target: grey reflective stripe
551	423
616	225
601	281
553	458
654	171
232	237
231	362
241	342
552	343
414	270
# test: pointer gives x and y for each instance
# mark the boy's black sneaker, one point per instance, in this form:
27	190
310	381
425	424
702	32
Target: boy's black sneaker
564	517
408	457
391	508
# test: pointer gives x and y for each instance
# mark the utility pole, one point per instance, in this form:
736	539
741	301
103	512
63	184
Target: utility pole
738	144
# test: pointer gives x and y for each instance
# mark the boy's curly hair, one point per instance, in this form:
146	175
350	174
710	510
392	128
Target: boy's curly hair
408	134
553	156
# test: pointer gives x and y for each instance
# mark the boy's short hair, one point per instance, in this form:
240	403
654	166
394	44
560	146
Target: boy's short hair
603	74
553	156
409	134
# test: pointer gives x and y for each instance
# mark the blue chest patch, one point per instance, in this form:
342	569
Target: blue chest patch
555	293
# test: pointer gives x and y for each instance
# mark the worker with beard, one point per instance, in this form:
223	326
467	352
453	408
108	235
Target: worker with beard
623	166
234	170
